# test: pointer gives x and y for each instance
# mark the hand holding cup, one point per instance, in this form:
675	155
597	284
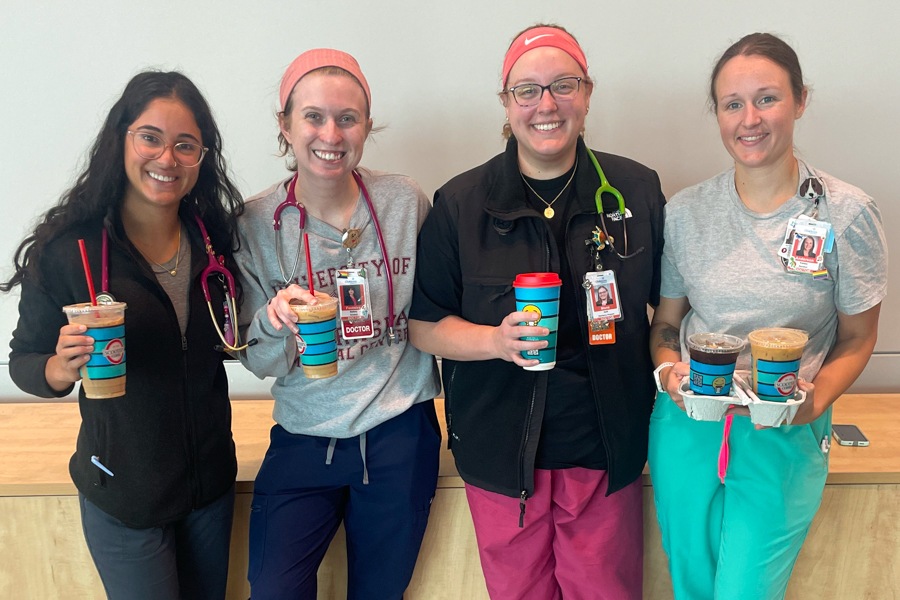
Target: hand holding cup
73	351
507	342
672	382
279	311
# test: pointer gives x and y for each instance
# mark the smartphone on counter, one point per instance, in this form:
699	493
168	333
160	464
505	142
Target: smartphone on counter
849	435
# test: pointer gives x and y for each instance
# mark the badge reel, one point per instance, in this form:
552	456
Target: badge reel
353	294
806	239
604	307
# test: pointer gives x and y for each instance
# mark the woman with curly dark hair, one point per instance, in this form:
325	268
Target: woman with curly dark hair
155	467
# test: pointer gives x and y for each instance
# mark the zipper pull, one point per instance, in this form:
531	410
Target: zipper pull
522	499
184	343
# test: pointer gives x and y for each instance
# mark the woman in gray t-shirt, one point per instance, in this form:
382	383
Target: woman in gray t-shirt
733	523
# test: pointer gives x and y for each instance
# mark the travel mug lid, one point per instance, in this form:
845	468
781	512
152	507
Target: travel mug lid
537	280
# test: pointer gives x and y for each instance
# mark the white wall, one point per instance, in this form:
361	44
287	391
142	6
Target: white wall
434	69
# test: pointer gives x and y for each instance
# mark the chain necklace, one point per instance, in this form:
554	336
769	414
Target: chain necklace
549	212
172	271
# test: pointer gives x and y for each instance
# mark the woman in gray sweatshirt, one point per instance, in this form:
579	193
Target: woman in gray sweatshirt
360	446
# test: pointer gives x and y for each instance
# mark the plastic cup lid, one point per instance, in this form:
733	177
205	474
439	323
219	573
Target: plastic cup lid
715	343
326	302
778	337
87	307
537	280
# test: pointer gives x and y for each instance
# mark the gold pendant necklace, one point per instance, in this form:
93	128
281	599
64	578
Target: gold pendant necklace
549	212
174	270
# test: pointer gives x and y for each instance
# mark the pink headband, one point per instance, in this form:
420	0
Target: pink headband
316	59
538	37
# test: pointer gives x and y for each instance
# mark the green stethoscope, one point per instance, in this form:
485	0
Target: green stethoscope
607	240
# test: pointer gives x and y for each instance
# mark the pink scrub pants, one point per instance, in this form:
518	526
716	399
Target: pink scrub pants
576	543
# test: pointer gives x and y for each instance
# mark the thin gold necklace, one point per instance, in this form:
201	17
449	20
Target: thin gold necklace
174	270
549	212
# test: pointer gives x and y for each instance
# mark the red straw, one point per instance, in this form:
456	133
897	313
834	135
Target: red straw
308	264
87	272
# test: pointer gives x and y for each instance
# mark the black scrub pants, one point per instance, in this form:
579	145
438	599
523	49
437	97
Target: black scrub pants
181	560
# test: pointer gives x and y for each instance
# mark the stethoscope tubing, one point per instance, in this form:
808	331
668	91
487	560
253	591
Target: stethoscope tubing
216	265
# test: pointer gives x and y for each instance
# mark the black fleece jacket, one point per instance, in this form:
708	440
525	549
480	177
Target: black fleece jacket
168	439
483	232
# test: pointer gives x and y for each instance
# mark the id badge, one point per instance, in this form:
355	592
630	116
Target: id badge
354	304
806	241
602	296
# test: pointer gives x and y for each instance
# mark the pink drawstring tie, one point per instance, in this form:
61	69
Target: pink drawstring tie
723	451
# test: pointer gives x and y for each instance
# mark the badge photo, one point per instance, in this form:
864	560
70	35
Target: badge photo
602	293
807	249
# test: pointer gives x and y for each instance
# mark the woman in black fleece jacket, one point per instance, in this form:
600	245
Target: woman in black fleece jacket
157	514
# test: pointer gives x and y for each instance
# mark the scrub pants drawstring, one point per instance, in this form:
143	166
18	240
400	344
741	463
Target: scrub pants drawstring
723	450
362	452
329	455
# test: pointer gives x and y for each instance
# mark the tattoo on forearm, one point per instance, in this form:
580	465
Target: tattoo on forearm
670	338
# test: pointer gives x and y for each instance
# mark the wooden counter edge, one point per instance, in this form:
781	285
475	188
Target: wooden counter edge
445	482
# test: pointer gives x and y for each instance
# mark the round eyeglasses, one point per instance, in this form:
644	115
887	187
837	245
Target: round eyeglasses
530	94
151	146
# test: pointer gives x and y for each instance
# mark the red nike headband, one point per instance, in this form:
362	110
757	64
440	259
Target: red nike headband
537	38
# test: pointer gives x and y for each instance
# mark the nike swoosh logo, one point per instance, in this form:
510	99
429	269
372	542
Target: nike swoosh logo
527	41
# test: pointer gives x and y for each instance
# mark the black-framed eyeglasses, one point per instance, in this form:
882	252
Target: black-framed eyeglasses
530	94
151	146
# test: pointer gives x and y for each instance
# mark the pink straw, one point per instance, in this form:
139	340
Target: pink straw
309	274
87	272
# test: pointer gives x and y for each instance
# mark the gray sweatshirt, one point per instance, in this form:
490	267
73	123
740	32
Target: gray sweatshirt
375	382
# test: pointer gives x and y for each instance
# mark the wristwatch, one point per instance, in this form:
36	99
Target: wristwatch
659	385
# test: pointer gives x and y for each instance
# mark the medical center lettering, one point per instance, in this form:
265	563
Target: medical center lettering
325	278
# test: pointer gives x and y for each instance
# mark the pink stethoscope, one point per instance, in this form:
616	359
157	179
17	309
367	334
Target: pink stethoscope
291	201
230	337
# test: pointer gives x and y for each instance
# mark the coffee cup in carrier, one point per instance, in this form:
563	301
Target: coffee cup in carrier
775	357
713	356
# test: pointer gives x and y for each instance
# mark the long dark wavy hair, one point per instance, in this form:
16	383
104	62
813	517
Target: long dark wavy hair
101	186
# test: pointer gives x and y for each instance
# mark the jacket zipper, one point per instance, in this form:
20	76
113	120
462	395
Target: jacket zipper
450	409
523	496
190	428
189	446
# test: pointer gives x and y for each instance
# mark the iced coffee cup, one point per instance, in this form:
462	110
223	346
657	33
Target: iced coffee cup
538	294
316	341
104	374
776	354
713	356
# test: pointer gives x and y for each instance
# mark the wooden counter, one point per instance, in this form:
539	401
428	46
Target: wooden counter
852	550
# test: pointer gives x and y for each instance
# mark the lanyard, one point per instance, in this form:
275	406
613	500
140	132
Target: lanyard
291	201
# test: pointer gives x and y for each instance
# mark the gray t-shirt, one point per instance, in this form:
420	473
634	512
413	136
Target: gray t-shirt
176	286
375	382
724	258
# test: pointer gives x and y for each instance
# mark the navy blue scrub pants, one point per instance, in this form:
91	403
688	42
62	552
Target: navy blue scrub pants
299	501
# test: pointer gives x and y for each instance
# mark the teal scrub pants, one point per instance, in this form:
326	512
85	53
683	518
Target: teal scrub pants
738	539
